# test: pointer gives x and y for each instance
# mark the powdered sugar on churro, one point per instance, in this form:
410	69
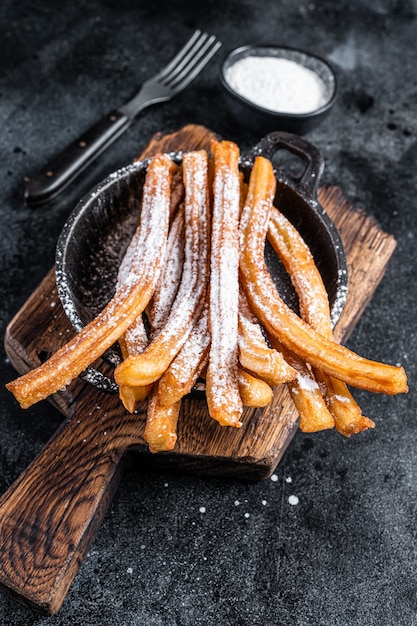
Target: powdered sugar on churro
170	278
223	397
195	265
92	341
306	382
148	367
149	231
187	366
136	337
193	330
299	263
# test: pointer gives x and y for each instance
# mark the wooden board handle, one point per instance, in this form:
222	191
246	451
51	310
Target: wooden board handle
50	515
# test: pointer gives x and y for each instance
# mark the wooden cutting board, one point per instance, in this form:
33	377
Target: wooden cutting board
50	515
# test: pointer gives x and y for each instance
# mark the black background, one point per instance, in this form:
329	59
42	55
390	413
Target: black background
345	555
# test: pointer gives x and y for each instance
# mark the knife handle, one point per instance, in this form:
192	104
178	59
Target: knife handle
50	515
67	165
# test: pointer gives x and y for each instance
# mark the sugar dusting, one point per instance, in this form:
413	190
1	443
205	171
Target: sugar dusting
121	311
224	293
170	278
188	300
306	383
189	362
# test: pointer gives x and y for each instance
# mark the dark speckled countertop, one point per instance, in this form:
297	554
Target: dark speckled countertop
175	549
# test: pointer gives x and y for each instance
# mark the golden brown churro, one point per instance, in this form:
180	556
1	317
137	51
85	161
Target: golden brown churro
148	367
222	387
136	340
254	353
279	319
183	372
314	309
161	423
169	281
131	299
253	391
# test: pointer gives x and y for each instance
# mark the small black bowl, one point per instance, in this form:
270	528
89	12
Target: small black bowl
263	119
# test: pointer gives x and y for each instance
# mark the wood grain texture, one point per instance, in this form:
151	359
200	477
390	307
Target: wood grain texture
50	515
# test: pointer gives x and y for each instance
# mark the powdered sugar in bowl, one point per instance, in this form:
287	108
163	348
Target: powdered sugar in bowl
278	88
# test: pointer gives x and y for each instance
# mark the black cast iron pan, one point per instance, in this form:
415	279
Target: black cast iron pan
95	236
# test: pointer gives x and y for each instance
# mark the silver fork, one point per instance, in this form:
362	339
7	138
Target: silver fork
173	78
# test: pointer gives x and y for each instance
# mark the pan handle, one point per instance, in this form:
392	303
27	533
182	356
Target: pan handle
308	182
50	515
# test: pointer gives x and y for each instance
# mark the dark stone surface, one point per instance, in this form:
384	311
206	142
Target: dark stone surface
345	555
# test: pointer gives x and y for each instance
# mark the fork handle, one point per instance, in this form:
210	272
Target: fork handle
67	165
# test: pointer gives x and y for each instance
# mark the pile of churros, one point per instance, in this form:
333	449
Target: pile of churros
195	300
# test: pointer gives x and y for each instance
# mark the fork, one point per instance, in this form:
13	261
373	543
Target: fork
171	80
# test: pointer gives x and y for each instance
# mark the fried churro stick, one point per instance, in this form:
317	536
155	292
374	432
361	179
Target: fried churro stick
189	364
297	259
182	374
254	353
149	366
180	378
253	391
306	394
170	278
161	420
314	309
134	341
279	320
176	382
222	388
131	299
161	423
305	390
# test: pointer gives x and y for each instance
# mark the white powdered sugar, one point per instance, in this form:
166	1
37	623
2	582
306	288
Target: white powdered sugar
192	357
307	383
188	300
170	278
224	289
277	84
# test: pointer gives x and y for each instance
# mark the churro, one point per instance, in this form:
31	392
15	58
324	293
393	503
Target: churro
183	372
279	320
253	391
222	387
254	353
195	270
169	280
134	341
148	366
314	309
161	423
130	300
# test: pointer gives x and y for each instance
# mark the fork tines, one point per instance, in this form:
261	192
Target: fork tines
190	60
